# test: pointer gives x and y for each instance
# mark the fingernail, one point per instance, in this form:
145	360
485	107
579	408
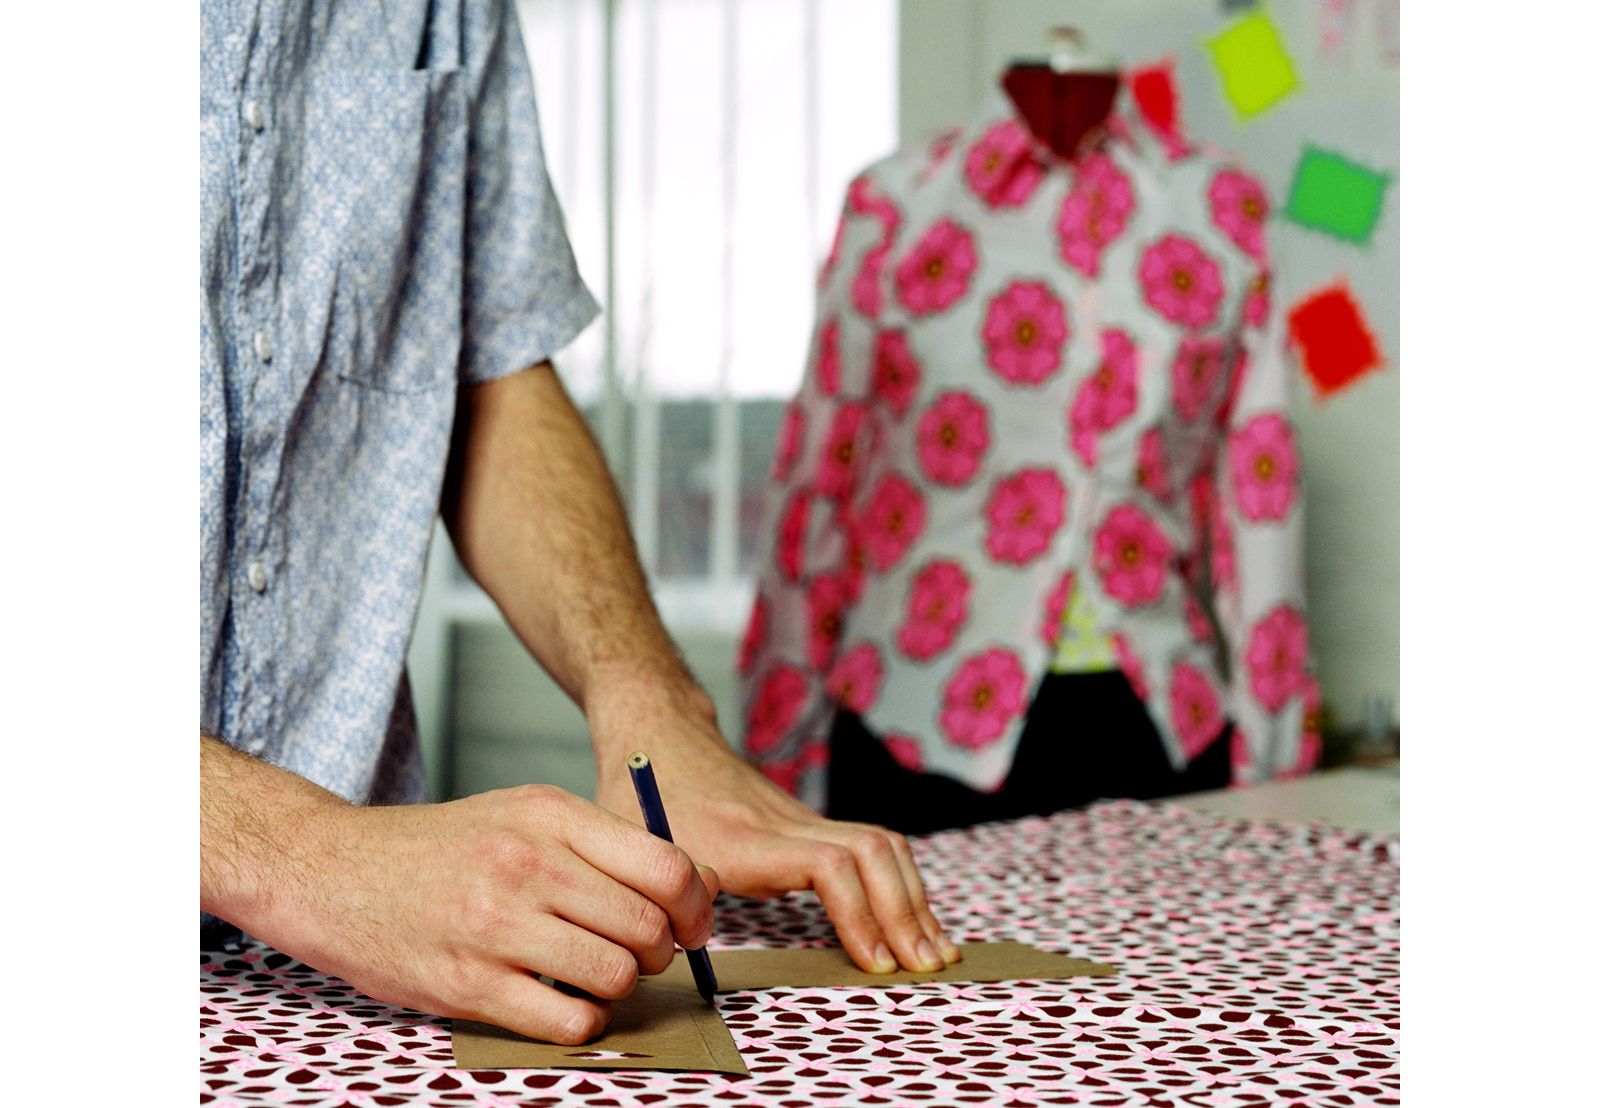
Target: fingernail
882	960
951	952
928	956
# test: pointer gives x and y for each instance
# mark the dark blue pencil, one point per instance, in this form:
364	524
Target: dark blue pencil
655	818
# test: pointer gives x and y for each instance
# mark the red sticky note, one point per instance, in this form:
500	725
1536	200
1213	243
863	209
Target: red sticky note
1155	94
1336	344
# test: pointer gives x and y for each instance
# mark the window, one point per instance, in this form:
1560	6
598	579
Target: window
700	150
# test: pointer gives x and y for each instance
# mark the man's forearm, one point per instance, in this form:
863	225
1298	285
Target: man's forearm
537	521
253	836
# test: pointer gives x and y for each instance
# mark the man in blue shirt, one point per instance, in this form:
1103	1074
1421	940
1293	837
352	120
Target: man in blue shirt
384	278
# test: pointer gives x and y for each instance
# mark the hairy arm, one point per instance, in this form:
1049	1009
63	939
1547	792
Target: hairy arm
254	846
537	521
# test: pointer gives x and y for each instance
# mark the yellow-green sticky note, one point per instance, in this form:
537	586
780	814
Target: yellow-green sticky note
1335	195
1256	70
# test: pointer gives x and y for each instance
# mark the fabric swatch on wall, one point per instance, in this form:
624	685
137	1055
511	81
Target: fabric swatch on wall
1155	93
1256	70
1335	195
1336	344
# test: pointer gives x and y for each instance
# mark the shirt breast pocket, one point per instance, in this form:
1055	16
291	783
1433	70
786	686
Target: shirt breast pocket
388	153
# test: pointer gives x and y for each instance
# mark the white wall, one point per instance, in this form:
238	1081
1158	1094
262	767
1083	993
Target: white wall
951	54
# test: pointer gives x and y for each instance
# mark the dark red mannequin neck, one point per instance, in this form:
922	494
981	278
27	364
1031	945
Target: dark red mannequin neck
1060	108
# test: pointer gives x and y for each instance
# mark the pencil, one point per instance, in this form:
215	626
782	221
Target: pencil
655	818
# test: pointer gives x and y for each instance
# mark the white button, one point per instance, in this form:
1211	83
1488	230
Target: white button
258	576
263	346
253	114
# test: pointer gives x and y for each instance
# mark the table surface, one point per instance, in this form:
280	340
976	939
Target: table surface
1258	964
1358	798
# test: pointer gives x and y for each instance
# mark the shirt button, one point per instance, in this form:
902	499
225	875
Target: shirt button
263	346
258	576
253	115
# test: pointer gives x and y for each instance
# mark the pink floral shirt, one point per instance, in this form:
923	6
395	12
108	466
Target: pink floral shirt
1029	377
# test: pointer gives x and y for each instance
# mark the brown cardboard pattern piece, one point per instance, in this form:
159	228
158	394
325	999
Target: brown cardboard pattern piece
659	1027
665	1025
783	968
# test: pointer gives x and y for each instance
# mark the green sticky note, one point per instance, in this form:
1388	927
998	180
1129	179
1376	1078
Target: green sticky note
1256	70
1335	195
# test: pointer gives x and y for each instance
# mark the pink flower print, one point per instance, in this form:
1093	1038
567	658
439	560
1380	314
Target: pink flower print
776	706
836	467
895	372
755	634
859	194
935	610
831	262
1224	562
863	197
791	438
1107	397
938	150
1276	657
1094	213
1181	281
855	678
1055	609
1196	709
1001	169
866	288
1131	555
1152	473
905	750
1239	206
1196	373
952	438
891	521
1241	756
855	556
826	602
1131	666
1310	729
935	273
1023	332
987	692
1266	471
1024	512
1258	300
828	358
792	535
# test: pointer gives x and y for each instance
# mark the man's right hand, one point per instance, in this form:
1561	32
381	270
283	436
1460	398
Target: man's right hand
455	908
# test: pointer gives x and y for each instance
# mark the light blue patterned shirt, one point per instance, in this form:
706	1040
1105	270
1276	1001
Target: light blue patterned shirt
376	229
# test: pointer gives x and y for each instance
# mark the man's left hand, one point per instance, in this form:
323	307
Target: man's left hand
763	842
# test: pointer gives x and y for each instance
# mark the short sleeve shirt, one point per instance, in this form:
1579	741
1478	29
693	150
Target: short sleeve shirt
377	229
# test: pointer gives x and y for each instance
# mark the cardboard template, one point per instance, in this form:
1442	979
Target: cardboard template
659	1027
665	1025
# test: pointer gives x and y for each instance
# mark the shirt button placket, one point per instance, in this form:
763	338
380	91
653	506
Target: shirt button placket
257	627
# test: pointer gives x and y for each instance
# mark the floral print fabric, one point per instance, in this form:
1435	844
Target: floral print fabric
1257	964
1036	388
